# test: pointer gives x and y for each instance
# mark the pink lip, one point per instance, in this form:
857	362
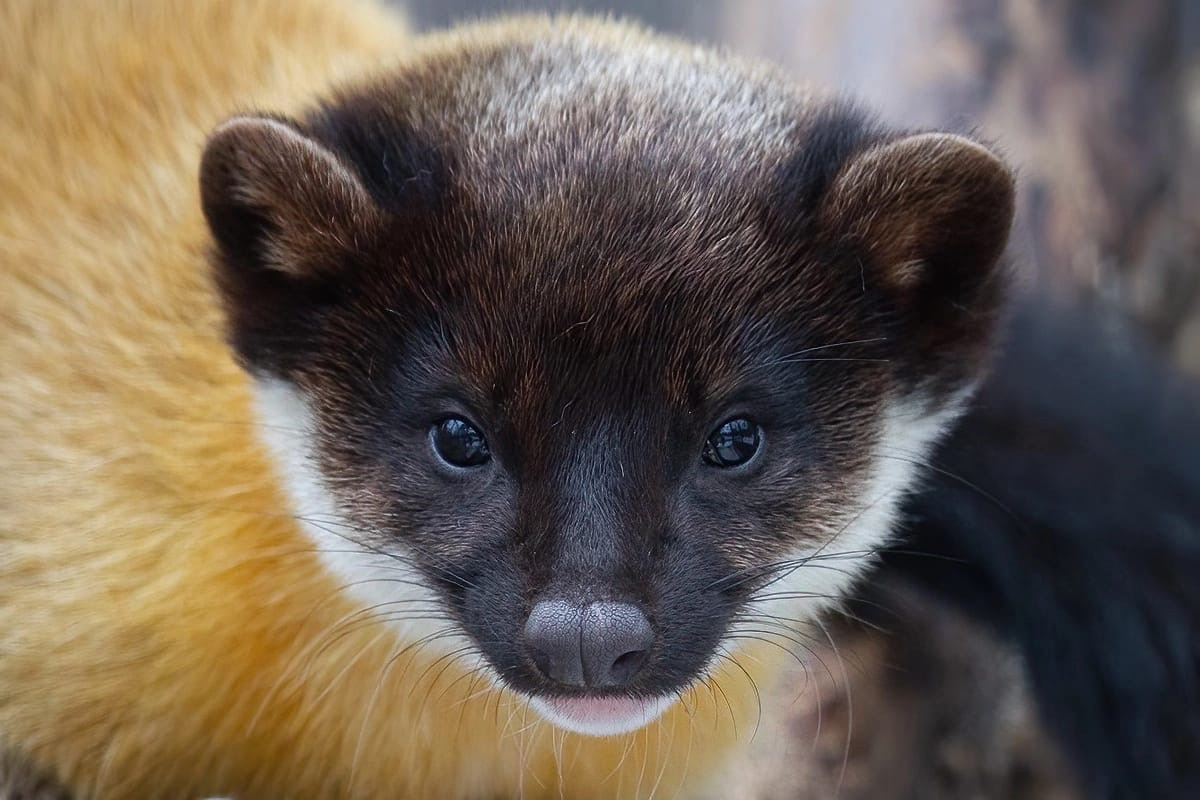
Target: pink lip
601	716
597	707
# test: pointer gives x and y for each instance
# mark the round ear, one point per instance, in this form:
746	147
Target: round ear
278	200
287	217
932	213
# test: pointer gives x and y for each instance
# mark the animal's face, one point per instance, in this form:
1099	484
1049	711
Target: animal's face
600	359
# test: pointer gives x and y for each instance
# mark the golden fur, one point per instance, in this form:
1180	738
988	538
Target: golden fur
165	629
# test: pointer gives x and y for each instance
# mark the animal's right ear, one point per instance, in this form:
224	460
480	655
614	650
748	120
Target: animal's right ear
280	204
289	219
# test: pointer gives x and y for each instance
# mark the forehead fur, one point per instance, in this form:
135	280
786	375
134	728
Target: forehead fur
571	176
546	177
510	96
527	117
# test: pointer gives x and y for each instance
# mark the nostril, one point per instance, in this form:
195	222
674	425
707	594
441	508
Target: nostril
542	660
628	665
601	645
617	639
552	641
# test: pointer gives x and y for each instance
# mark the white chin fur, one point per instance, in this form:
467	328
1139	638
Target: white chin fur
907	436
592	716
288	427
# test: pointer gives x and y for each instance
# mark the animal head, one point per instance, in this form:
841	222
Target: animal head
599	349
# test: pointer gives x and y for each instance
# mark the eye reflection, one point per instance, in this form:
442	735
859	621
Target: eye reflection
732	444
459	443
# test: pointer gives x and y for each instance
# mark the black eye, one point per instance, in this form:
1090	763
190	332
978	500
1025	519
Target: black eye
732	444
459	443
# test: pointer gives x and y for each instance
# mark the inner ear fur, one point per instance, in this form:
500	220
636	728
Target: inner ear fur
277	200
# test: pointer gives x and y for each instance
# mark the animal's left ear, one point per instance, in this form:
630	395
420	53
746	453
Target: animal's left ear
932	212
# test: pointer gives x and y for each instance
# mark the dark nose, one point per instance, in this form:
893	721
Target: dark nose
600	645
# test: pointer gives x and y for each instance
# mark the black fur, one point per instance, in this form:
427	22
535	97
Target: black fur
1065	513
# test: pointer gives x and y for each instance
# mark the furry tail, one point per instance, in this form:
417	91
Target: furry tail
1065	513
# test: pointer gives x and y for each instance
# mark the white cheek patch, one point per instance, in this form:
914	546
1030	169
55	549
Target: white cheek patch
391	588
907	436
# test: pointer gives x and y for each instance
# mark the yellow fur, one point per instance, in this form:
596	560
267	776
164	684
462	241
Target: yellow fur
165	629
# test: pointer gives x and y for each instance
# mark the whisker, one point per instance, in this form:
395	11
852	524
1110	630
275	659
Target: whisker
849	707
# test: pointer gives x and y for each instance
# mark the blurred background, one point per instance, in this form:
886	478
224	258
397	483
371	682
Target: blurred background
1097	103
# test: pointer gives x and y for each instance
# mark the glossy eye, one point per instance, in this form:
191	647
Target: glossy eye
459	443
732	444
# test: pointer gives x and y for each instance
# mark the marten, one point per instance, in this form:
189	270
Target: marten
469	416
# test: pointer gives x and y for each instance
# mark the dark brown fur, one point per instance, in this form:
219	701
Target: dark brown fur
598	247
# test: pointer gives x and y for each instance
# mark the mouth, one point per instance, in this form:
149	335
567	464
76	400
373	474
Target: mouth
601	716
